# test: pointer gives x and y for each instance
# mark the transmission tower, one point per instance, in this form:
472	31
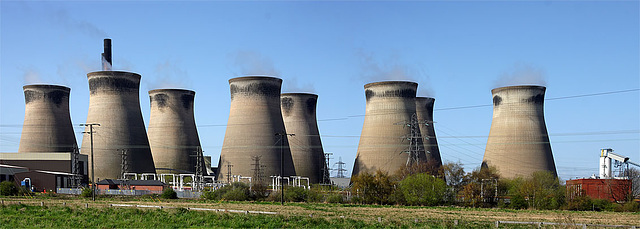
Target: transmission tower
199	175
229	173
327	169
340	170
415	148
75	167
124	165
257	170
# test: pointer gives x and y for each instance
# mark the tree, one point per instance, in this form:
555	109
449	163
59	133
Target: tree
454	176
373	188
541	191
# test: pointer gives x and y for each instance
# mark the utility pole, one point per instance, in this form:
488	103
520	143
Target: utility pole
257	170
93	171
282	164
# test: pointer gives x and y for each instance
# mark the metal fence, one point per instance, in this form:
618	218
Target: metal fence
73	191
189	194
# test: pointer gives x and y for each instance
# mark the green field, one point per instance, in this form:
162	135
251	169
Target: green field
80	212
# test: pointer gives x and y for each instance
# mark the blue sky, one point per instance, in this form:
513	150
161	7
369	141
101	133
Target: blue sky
456	51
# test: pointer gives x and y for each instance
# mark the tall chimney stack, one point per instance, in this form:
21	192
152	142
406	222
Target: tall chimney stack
107	62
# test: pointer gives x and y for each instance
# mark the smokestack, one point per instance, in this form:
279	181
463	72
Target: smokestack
173	136
383	142
254	120
114	103
47	122
107	62
424	111
299	114
518	143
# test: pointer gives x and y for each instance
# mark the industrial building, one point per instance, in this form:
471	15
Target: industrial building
173	136
299	114
612	183
518	143
424	111
387	141
255	143
120	142
45	170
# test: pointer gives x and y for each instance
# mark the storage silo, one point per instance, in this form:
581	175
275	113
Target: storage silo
255	130
518	143
173	136
299	114
424	111
47	123
384	142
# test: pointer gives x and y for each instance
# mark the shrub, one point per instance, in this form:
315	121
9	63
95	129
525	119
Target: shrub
8	188
169	193
631	206
335	199
86	192
373	189
296	194
234	191
518	202
422	189
580	203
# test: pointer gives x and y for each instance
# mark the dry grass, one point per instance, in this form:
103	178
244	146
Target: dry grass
369	213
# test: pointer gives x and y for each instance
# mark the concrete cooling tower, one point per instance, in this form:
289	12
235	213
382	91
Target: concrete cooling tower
518	143
173	136
255	131
47	122
384	140
114	103
299	113
424	111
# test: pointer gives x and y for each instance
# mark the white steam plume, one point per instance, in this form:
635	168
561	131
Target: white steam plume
373	71
253	63
521	74
169	74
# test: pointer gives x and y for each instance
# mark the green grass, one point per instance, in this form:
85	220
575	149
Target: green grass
24	216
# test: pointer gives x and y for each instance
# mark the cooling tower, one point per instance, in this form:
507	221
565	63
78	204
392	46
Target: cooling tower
114	103
424	111
47	122
299	114
254	130
384	142
173	136
518	143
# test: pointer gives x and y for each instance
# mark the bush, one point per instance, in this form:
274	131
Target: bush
235	191
518	202
8	188
296	194
86	192
631	206
422	189
335	199
373	189
169	193
580	203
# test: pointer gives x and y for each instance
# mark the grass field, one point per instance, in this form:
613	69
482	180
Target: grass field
73	212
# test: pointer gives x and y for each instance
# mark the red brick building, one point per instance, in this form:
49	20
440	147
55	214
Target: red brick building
608	189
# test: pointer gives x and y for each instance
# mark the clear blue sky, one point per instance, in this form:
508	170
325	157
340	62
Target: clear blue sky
456	51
